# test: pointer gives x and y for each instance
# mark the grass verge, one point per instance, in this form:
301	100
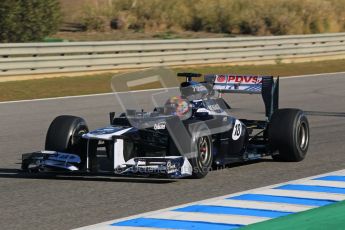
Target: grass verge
100	83
326	217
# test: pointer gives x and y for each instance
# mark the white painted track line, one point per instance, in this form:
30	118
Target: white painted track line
323	183
212	218
82	96
303	194
260	205
340	173
337	74
312	75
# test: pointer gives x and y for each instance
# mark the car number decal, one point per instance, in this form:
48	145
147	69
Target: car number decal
237	130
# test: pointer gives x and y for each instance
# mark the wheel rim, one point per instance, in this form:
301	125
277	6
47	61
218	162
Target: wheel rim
204	150
78	133
303	137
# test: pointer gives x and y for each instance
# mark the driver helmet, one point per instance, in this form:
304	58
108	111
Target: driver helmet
177	106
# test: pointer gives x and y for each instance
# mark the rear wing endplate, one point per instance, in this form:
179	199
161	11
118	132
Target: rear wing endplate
264	85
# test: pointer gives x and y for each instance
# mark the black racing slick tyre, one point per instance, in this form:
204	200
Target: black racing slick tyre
203	162
202	145
289	135
65	135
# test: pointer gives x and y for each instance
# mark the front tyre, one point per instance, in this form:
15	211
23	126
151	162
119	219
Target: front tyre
65	135
202	163
289	135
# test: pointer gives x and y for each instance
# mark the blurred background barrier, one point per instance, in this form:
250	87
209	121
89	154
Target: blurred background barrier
62	57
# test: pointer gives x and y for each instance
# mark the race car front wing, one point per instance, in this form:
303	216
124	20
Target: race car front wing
52	161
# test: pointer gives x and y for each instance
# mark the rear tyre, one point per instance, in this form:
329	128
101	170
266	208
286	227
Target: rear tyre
65	135
289	135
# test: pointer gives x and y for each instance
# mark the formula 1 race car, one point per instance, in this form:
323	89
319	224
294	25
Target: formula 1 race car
186	137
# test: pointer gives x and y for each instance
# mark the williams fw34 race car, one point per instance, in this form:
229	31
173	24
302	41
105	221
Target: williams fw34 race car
185	137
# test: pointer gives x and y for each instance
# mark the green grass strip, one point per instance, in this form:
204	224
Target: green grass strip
326	217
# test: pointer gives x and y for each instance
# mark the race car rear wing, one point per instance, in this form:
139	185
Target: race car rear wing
264	85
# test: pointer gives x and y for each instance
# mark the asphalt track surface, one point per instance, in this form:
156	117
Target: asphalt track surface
70	202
